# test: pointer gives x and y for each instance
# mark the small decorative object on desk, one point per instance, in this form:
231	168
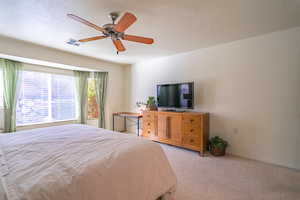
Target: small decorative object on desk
217	146
141	106
151	104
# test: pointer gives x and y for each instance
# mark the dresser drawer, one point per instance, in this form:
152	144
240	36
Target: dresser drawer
149	127
194	130
148	124
148	116
147	132
191	141
191	120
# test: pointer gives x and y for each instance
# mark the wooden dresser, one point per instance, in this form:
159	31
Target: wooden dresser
184	129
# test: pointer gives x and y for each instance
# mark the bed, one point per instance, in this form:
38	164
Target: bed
79	162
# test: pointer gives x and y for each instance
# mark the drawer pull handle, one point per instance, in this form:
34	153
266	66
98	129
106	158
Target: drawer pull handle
148	124
191	140
148	132
192	120
192	130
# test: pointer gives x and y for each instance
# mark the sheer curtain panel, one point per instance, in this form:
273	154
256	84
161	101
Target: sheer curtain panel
11	83
81	80
100	88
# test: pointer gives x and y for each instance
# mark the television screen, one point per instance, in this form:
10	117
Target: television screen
179	95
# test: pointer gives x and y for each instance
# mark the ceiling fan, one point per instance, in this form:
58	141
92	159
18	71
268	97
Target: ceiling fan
114	31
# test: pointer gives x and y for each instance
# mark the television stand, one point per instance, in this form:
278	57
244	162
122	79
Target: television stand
169	110
184	129
173	110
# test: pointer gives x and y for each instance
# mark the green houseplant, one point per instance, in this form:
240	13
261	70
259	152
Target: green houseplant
151	103
217	146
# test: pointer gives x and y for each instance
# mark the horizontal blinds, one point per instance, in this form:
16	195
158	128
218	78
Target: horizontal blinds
62	97
32	103
1	88
45	97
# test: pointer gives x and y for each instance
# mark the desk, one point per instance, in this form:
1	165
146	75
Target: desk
126	115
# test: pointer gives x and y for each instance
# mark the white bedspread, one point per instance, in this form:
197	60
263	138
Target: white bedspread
77	162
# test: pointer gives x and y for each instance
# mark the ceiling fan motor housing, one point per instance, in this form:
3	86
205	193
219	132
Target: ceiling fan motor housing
110	31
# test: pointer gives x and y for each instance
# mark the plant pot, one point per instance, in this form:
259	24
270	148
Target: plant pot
151	107
218	151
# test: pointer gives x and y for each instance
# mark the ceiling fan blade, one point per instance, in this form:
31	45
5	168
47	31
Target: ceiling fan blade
79	19
92	38
134	38
119	45
126	20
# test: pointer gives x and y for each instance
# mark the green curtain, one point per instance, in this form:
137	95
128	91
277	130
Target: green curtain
81	79
11	85
100	89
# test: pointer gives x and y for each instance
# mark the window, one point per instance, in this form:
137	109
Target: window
92	102
45	98
63	100
1	88
1	101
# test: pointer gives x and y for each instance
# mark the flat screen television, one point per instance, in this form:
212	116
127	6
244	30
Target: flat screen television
178	95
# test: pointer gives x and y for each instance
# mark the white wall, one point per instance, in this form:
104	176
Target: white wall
251	88
116	86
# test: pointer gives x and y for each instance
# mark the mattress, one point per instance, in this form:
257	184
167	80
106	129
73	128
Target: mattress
79	162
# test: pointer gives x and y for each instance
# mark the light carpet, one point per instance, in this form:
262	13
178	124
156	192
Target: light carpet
230	178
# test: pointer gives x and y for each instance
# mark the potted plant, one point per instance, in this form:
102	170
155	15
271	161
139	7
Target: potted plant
151	103
217	146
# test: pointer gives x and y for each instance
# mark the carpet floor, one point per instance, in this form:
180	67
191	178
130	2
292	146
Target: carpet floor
230	178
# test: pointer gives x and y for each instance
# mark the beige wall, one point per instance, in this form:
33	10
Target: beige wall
116	86
251	88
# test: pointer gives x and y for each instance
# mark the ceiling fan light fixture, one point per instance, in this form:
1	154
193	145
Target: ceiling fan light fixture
73	42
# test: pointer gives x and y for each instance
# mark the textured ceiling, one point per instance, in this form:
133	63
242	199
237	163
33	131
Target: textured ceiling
176	25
